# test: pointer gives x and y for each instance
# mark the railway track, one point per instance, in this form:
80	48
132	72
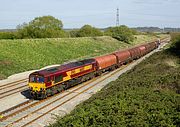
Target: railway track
11	118
13	83
13	108
24	108
13	88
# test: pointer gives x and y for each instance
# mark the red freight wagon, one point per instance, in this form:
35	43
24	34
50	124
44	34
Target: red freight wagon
142	49
135	52
105	61
153	45
123	57
148	47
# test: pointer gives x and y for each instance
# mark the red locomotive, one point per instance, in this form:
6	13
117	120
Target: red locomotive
50	81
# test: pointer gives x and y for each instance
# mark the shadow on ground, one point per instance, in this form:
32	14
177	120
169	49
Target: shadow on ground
26	93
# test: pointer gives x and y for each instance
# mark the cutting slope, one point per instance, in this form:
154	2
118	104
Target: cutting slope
27	54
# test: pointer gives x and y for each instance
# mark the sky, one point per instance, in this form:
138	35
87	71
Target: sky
98	13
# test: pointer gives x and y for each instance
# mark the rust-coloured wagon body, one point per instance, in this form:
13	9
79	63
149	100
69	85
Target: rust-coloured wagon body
135	53
123	56
142	49
105	61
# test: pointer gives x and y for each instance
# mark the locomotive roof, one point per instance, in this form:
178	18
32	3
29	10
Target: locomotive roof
63	68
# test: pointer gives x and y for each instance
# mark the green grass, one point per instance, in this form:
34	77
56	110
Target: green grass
146	96
27	54
143	38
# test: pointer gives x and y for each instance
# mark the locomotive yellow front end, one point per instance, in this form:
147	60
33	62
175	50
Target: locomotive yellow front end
37	86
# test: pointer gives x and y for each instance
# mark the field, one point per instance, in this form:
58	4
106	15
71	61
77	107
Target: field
148	95
26	54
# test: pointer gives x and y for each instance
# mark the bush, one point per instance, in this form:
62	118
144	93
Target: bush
88	31
7	35
73	33
176	40
121	33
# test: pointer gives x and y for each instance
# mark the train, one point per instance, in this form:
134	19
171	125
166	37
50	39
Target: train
47	82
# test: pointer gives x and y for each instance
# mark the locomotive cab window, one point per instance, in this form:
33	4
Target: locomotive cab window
40	79
32	79
36	79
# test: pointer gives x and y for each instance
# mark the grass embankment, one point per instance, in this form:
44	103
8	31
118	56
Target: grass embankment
27	54
148	95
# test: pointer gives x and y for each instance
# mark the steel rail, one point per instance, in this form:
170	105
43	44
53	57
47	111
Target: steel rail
14	107
12	93
14	83
13	89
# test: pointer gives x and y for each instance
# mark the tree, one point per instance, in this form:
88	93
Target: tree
89	31
122	33
41	27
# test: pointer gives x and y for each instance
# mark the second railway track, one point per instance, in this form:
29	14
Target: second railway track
13	83
13	88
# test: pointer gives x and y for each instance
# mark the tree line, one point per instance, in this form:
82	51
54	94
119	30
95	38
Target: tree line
51	27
